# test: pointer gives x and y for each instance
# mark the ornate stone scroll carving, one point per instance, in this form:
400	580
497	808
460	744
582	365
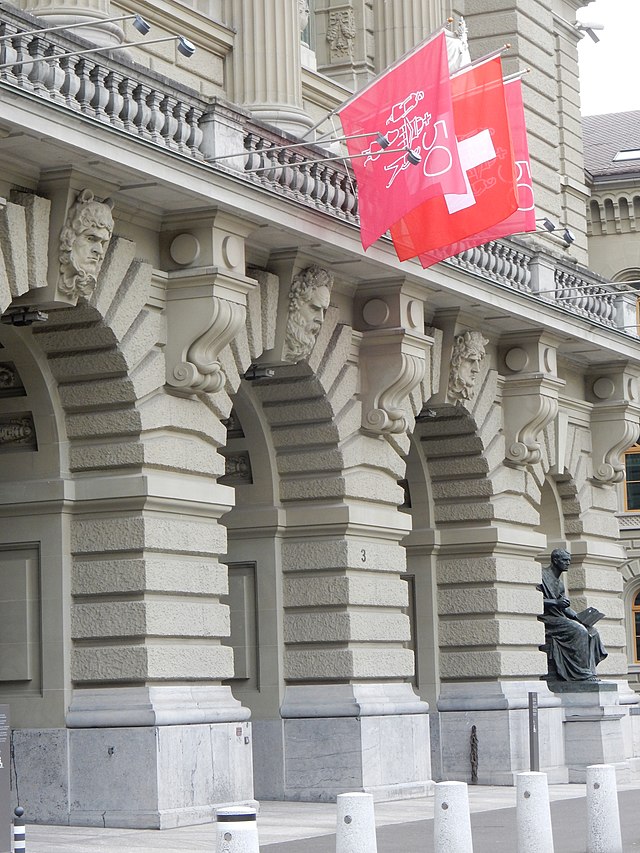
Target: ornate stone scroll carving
341	33
466	357
393	354
84	240
206	309
308	302
201	371
530	396
615	422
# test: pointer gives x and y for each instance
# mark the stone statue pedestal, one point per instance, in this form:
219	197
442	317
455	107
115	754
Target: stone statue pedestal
594	727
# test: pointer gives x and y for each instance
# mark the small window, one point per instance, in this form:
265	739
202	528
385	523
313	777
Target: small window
628	154
636	627
632	480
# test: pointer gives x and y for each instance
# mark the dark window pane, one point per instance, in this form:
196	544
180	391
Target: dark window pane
633	495
636	601
632	461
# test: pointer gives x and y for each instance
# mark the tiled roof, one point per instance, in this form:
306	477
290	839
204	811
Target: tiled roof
604	136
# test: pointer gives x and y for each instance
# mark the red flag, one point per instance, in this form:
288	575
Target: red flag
486	154
524	219
410	105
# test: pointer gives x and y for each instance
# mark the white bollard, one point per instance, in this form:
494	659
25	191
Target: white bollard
355	824
533	813
603	815
237	830
451	819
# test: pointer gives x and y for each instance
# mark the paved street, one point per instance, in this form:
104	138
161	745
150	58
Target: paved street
405	826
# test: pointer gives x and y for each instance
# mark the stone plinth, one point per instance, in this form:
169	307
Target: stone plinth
335	739
593	727
500	713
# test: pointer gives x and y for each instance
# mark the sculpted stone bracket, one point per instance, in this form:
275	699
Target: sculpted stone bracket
615	424
530	395
205	310
530	404
84	240
393	353
393	363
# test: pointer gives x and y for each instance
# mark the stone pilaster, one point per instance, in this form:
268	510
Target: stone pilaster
267	72
402	25
344	41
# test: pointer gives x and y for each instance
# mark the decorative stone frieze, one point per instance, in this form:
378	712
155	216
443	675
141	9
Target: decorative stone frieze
530	394
393	354
9	378
341	34
84	240
17	431
467	354
615	421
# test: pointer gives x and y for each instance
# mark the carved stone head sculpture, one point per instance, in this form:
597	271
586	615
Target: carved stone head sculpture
83	244
308	302
468	353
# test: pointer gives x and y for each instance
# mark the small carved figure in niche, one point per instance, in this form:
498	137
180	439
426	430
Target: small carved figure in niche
303	14
573	644
83	243
308	302
468	353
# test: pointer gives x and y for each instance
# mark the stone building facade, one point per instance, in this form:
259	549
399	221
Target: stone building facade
274	509
612	164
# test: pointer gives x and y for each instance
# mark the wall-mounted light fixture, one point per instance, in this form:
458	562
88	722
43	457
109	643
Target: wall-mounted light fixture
138	22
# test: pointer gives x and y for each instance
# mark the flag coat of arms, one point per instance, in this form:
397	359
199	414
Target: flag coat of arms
411	107
486	154
524	219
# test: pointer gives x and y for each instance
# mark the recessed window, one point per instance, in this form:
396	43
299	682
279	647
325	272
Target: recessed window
635	616
628	154
632	478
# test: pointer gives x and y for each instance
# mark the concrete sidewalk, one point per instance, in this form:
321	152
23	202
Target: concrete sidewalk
404	826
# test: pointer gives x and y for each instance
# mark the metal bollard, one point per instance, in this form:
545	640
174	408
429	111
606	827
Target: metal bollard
603	815
451	819
237	830
19	831
533	813
355	824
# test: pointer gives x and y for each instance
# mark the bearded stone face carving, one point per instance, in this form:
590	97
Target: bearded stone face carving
83	244
466	358
308	302
303	14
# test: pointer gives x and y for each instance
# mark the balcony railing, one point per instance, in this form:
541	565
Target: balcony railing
133	100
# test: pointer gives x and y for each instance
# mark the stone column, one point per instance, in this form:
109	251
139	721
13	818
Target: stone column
350	718
403	24
59	12
266	67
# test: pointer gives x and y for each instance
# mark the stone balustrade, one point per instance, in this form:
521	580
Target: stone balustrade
132	99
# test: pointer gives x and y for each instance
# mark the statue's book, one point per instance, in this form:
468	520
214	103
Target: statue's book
589	616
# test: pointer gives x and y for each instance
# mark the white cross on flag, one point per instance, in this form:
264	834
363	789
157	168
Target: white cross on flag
410	106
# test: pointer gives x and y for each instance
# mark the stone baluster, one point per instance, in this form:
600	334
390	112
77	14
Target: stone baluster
182	131
195	132
37	71
129	109
100	97
170	125
71	84
86	90
115	100
156	116
143	113
55	76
